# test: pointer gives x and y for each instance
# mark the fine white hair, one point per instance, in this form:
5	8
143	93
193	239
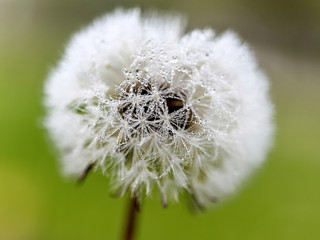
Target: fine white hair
152	107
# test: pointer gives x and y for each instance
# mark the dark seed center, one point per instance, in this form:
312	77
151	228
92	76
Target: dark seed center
173	102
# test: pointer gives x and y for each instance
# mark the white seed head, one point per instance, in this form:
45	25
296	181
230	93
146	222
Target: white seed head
154	108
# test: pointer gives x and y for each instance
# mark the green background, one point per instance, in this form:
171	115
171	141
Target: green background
282	200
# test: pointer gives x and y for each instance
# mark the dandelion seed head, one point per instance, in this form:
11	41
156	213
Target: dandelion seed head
157	109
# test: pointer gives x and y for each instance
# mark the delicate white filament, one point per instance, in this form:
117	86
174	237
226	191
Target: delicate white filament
154	108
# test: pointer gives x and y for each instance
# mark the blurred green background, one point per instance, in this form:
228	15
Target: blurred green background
281	202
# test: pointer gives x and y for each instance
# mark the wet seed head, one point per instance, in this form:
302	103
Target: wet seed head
154	108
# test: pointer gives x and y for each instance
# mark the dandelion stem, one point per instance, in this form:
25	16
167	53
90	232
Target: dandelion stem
131	219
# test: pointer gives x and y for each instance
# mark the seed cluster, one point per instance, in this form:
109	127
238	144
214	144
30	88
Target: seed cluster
154	109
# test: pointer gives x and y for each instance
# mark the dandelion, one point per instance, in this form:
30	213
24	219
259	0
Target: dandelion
156	109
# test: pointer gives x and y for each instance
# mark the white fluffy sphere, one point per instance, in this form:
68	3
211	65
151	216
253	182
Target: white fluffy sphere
155	108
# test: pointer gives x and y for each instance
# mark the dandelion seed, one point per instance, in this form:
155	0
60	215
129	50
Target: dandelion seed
155	109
